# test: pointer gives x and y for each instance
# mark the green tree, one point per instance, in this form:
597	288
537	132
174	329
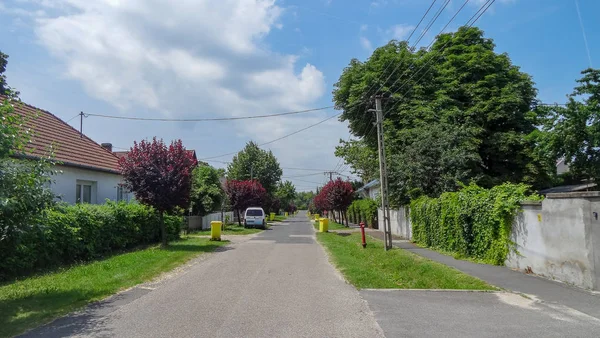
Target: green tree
286	192
361	157
574	130
303	199
207	193
460	88
255	163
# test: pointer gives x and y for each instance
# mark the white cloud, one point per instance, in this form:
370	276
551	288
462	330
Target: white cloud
399	32
366	43
193	58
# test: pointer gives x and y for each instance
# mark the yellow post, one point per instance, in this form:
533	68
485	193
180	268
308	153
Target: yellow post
286	214
215	230
272	216
323	224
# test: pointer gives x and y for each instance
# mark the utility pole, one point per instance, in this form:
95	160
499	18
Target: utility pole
383	179
331	173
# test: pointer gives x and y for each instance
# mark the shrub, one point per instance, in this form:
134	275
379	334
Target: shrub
472	222
68	234
364	210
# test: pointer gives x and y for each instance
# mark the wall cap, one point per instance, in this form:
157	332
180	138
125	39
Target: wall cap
578	194
531	203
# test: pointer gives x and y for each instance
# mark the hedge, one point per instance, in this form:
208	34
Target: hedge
364	210
69	234
472	222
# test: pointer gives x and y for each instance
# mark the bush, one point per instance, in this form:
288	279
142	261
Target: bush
364	210
68	234
473	222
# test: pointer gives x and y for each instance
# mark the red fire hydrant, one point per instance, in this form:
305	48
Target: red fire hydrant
362	232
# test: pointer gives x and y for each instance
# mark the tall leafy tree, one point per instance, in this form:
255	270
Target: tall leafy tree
159	176
286	192
361	157
245	194
255	163
460	91
207	193
574	130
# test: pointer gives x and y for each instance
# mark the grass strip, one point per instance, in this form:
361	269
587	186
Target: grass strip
231	229
374	268
31	302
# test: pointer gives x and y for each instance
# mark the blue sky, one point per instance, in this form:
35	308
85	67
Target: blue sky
249	57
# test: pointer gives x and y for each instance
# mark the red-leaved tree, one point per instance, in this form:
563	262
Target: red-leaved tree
159	176
245	194
336	196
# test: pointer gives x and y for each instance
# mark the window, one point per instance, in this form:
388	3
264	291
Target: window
254	212
84	193
122	194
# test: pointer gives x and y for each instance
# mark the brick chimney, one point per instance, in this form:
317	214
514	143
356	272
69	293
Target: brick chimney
107	146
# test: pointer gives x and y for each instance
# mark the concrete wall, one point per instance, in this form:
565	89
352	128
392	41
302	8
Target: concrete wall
558	238
104	185
399	220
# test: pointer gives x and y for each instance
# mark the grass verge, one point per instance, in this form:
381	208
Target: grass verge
331	226
34	301
231	229
396	269
279	218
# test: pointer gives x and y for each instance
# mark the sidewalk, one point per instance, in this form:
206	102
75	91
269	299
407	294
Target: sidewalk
505	278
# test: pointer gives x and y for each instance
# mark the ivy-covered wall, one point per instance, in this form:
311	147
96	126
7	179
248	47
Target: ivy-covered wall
472	222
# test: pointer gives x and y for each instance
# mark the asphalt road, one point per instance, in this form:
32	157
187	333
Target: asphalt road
277	284
418	313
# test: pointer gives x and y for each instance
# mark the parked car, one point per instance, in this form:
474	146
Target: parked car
254	217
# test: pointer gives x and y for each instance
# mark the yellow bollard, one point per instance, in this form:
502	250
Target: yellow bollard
286	214
272	216
323	224
215	230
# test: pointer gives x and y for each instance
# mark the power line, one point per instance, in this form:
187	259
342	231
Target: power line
279	138
210	119
71	119
587	47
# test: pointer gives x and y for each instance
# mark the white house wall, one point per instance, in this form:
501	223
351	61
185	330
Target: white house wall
65	184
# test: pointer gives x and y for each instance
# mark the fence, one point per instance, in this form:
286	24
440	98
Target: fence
203	222
558	238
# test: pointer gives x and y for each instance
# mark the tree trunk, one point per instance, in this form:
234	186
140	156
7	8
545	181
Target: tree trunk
333	215
346	217
163	230
239	218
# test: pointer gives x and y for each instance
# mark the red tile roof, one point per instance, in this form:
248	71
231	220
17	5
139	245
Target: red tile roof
70	147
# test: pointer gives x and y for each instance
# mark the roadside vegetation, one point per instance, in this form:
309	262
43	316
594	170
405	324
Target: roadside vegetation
332	226
34	301
373	267
231	229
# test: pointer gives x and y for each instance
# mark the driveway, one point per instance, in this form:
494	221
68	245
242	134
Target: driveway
276	284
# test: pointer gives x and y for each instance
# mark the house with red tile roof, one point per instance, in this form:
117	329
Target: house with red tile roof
88	171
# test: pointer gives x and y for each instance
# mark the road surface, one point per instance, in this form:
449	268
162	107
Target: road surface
276	284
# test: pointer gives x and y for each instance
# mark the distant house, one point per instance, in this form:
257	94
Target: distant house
90	171
369	190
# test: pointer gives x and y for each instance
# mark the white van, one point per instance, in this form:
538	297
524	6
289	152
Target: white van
254	217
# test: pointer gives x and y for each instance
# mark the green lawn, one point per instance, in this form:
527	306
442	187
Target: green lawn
231	229
331	226
395	269
279	218
33	301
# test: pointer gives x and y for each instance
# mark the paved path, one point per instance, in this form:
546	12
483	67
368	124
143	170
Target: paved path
277	284
551	309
